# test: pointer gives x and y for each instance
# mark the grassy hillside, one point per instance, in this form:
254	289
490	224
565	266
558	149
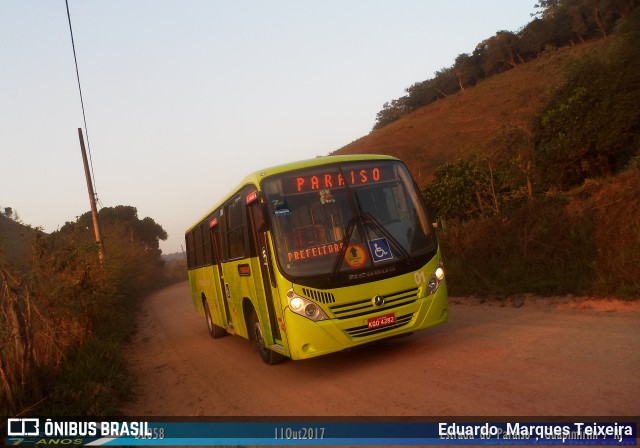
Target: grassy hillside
452	127
519	230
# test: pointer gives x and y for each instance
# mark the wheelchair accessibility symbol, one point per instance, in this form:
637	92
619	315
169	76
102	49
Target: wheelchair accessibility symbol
380	250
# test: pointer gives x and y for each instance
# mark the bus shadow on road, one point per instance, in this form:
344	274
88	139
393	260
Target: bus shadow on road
369	355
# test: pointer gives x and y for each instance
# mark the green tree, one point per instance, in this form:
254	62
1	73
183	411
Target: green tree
502	52
454	193
468	69
391	111
591	127
132	245
547	8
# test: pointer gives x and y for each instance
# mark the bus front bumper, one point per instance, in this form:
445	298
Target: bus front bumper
308	339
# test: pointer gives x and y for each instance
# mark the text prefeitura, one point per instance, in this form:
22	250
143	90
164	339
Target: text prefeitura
93	429
523	431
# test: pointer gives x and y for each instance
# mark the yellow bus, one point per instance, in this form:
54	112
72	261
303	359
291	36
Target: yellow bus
318	256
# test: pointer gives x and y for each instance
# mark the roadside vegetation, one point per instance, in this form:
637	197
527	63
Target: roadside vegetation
556	210
64	315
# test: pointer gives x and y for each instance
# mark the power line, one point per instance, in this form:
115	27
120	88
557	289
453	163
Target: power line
84	116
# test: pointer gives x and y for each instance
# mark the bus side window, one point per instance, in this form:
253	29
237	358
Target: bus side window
199	258
235	229
206	244
191	262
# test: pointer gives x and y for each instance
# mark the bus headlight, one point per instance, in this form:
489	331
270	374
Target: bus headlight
296	304
305	307
436	279
311	310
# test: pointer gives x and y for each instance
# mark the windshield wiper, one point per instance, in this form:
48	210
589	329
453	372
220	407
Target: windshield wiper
369	219
343	248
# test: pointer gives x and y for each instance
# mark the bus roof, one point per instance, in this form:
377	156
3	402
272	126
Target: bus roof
256	177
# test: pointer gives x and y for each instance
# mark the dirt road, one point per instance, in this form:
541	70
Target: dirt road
573	357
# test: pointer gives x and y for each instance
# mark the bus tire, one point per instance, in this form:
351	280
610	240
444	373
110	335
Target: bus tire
215	331
268	356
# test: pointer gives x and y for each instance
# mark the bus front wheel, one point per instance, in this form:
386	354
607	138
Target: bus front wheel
268	356
215	331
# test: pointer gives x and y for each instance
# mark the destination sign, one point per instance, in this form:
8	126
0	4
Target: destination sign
326	180
313	252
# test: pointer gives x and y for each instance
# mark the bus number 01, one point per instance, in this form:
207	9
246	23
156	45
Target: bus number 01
419	277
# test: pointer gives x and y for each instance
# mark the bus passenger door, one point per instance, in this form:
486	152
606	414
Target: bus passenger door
223	289
266	280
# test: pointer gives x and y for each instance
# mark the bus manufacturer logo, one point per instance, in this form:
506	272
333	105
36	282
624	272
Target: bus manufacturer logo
378	300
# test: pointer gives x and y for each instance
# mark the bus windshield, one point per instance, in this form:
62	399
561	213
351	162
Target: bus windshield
353	220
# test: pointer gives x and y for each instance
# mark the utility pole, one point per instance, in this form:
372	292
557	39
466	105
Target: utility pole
92	198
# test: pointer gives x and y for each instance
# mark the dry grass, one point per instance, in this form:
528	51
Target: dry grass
32	341
615	205
586	241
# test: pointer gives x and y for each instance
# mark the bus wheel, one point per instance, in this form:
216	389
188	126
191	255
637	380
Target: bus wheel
214	330
267	355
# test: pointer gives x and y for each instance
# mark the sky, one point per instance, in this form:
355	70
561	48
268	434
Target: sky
184	98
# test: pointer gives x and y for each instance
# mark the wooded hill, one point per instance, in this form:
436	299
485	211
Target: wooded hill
533	173
473	119
556	24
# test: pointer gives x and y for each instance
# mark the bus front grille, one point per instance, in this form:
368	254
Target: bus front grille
366	306
319	296
364	330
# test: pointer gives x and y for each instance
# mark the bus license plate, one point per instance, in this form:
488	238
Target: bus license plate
382	321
